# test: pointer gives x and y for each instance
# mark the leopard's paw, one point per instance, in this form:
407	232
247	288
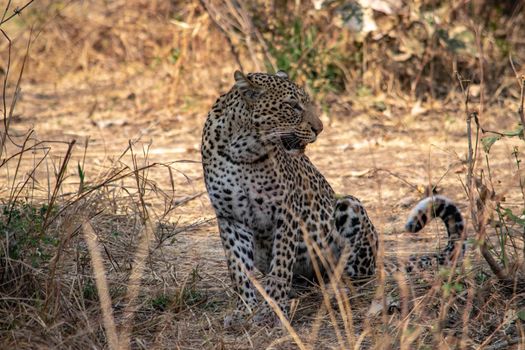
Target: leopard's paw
236	320
266	317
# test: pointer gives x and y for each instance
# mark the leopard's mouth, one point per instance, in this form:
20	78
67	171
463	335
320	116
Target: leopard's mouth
293	144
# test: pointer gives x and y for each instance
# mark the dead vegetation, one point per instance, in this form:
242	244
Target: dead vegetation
107	241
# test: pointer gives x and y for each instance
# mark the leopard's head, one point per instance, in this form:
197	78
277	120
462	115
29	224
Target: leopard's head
280	111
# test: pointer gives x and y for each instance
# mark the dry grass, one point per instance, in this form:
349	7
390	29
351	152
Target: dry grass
107	239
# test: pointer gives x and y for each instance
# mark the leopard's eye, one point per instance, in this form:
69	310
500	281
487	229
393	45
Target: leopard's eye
295	105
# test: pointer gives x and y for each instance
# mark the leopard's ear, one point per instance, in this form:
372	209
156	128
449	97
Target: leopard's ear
248	90
282	74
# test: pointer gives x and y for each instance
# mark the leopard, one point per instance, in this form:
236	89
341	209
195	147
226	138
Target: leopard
273	205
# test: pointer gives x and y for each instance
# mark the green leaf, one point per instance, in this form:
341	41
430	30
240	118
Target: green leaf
458	287
174	55
455	45
517	132
516	219
488	141
80	173
521	315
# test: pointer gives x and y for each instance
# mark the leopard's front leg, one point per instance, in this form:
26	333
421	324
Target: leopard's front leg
279	279
238	246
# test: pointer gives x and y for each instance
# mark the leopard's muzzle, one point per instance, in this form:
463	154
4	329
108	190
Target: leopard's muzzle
293	144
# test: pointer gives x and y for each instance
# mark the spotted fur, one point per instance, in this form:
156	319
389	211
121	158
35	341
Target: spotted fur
270	200
443	208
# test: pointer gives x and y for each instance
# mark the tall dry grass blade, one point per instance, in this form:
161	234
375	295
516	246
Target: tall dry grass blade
134	283
14	187
60	178
141	254
408	336
315	252
102	285
278	312
342	301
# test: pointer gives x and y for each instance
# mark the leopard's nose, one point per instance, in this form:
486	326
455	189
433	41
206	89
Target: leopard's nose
317	127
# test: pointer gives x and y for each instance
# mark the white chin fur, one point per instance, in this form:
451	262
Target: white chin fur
295	151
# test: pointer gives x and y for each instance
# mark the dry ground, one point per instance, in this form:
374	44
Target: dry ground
383	158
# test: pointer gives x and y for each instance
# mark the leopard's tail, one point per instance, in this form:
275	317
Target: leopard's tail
443	208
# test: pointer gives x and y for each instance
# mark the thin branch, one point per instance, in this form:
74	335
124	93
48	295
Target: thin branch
233	50
521	82
5	11
4	103
16	11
